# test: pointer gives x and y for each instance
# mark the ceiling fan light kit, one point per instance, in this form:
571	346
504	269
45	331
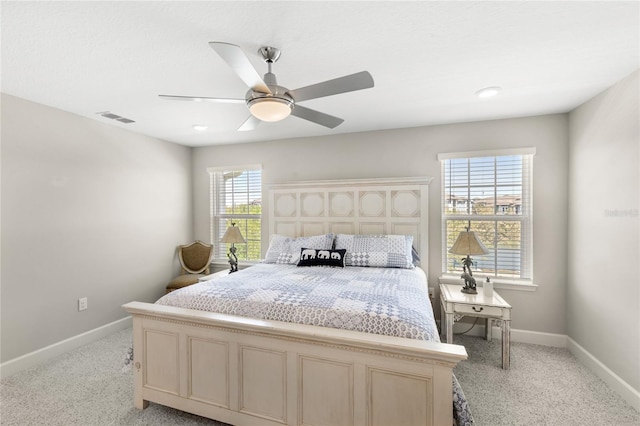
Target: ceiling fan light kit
270	108
267	101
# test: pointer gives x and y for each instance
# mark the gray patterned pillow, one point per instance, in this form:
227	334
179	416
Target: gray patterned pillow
382	251
286	250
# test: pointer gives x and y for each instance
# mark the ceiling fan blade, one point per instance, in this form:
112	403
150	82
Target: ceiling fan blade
238	61
318	117
202	99
249	124
348	83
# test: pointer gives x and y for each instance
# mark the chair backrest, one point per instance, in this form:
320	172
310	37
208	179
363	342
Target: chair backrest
195	257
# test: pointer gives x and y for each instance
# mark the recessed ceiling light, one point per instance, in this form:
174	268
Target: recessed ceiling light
200	127
488	92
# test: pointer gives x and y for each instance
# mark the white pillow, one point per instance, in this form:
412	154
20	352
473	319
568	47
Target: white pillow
382	251
286	250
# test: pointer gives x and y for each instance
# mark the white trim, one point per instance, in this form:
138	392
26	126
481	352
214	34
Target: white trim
520	336
534	337
498	283
486	153
466	181
225	263
214	169
41	355
615	382
217	206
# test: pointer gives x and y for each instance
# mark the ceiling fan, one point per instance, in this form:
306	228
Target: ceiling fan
267	101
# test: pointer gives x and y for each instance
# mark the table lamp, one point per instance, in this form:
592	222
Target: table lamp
233	236
468	244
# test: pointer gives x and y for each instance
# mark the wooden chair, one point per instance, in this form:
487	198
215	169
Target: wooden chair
194	259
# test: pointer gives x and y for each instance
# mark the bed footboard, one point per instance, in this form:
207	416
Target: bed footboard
247	371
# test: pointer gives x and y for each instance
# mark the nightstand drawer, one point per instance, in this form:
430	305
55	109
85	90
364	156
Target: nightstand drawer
477	310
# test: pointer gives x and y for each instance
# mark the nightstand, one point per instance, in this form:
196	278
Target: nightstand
456	304
218	274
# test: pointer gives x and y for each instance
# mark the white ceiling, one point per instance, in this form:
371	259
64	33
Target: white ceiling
427	60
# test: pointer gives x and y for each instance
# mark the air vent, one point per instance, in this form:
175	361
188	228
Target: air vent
107	114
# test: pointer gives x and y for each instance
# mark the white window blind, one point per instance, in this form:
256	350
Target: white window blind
490	193
236	197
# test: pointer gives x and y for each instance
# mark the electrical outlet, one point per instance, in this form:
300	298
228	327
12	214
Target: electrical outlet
432	292
83	304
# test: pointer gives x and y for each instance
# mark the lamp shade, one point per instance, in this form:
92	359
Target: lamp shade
468	244
233	235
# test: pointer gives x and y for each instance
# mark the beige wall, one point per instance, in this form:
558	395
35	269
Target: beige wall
412	152
88	210
603	290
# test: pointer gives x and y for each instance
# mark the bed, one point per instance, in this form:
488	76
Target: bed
254	353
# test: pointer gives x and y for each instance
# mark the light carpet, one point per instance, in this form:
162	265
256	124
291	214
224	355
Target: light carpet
545	386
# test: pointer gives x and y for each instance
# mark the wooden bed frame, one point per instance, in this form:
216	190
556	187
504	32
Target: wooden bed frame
248	371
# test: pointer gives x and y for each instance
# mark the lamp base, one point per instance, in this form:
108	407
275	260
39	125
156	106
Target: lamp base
233	259
469	281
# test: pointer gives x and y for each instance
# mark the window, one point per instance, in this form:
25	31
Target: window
489	192
236	197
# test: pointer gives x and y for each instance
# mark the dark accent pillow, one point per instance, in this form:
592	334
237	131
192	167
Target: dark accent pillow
322	257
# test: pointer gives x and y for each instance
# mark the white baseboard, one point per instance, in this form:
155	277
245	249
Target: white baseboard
535	337
615	382
522	336
41	355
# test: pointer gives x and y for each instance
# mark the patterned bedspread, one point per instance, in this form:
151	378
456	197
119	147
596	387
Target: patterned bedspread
386	301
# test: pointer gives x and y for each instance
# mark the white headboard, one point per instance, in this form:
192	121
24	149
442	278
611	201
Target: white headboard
355	206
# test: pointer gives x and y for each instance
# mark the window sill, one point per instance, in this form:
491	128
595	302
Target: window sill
498	283
218	263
